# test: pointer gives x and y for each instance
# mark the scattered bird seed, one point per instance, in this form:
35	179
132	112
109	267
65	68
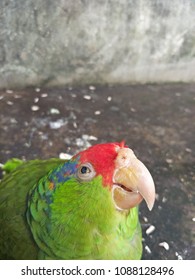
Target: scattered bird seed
87	97
64	156
44	95
150	229
97	113
54	111
193	219
164	199
9	91
36	99
89	137
10	103
43	136
92	88
37	89
35	108
13	121
179	257
1	97
84	140
169	160
145	219
75	125
133	110
80	142
148	249
109	98
164	245
57	124
17	96
188	150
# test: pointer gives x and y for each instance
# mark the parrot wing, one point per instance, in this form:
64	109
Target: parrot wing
11	164
16	240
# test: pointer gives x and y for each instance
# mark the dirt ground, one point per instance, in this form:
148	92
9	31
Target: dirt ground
156	121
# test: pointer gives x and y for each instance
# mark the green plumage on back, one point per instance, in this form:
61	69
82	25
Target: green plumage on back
82	208
16	240
11	164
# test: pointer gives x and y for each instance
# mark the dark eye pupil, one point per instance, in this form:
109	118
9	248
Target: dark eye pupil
84	170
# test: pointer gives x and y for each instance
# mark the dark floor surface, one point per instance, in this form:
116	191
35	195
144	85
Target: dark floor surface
156	121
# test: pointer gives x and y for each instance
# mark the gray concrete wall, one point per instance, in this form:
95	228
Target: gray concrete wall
60	42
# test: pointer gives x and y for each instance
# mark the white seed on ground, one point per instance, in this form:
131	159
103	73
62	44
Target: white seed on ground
147	248
164	245
179	257
164	199
10	103
169	160
145	219
75	125
133	110
64	156
97	113
57	124
35	108
9	91
13	121
193	219
109	98
37	89
54	111
87	97
150	229
89	137
17	96
36	99
92	87
44	95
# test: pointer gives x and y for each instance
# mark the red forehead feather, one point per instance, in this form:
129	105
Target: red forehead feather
102	157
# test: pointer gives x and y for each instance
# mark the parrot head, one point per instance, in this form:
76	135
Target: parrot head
126	177
77	209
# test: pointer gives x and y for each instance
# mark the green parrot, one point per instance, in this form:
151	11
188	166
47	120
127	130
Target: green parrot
82	208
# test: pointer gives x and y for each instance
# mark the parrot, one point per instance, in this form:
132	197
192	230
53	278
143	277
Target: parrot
84	208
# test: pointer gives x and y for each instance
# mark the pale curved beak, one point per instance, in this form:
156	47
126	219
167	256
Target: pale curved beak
132	181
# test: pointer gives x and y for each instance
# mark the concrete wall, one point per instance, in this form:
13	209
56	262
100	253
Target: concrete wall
59	42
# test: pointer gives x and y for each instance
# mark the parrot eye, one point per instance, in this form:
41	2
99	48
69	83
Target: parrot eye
86	172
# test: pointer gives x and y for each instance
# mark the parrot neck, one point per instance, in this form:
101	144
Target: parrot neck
79	221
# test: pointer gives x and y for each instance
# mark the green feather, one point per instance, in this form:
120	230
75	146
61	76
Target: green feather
11	164
47	218
16	241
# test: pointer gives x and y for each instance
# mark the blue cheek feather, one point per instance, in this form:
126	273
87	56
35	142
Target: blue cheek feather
63	173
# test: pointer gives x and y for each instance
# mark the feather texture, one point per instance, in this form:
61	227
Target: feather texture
47	212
